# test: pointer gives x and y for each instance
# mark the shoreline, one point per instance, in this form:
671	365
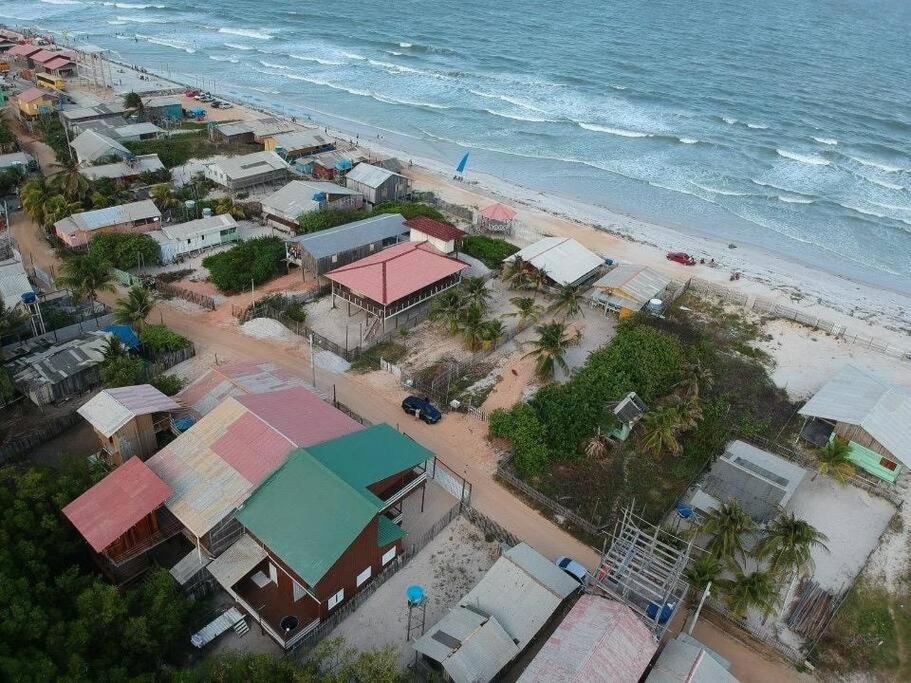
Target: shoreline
632	239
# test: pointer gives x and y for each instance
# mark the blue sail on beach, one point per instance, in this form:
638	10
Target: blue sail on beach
461	167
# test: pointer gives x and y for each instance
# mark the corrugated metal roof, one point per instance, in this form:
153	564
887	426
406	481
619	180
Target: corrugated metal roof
352	235
599	640
296	197
542	569
105	109
124	169
248	165
157	101
640	284
387	531
564	260
15	159
144	128
482	655
116	503
200	226
301	139
13	282
111	409
112	215
456	626
33	94
90	146
55	363
686	660
24	50
237	561
879	407
396	272
369	175
189	565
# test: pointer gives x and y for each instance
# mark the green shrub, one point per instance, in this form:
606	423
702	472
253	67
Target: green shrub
521	426
159	338
168	384
122	371
490	250
125	250
410	210
253	261
370	360
314	221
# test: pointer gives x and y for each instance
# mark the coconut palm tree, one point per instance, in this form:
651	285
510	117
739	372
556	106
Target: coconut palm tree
59	207
536	279
132	100
597	445
787	545
550	349
475	292
448	309
689	410
513	269
229	206
569	301
492	331
743	592
68	180
85	276
113	348
34	195
164	198
833	460
703	571
726	525
527	309
473	327
659	428
697	379
135	307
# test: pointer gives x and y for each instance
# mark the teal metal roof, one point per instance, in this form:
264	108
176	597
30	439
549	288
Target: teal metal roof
370	455
387	532
306	515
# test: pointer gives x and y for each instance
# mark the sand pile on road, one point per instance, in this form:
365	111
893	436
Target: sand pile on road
266	328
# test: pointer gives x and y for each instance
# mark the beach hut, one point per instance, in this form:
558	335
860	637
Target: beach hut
497	218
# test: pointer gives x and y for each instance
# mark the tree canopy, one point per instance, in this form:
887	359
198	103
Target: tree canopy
125	250
255	261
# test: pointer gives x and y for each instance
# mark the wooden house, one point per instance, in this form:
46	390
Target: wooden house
444	237
128	420
35	102
377	184
627	289
282	208
77	230
298	143
872	414
248	170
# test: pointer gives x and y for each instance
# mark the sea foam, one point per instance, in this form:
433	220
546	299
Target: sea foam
811	159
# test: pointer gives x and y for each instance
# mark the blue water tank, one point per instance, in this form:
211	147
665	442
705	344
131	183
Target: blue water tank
666	612
29	297
319	197
415	595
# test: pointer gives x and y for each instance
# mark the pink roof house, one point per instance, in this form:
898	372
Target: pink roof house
396	279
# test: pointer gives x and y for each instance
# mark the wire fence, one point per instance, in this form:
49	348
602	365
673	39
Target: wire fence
168	290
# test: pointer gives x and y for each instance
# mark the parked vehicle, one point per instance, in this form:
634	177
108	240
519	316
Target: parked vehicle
191	93
226	105
422	408
573	568
681	257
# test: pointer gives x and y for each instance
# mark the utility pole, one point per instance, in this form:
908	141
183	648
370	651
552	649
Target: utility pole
695	618
312	361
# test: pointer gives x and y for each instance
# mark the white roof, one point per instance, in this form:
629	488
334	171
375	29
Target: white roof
880	408
15	159
144	128
160	101
482	655
201	226
301	139
112	215
542	569
110	409
231	566
249	165
296	197
640	284
13	282
369	175
563	259
685	660
124	169
90	145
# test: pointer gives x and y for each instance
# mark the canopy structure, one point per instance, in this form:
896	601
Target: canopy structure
497	218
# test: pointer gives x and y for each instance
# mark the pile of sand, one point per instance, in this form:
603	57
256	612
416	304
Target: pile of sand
267	328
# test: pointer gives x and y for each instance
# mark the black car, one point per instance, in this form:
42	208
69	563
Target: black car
424	409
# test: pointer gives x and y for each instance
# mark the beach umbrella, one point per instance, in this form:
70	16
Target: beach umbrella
460	169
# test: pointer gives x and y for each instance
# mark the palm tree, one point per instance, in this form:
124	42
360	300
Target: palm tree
85	276
135	307
132	100
689	410
748	591
537	279
527	309
659	428
834	460
59	207
34	195
448	309
164	198
491	331
787	545
69	181
597	445
703	571
475	292
726	524
229	206
569	300
550	349
113	348
696	379
472	326
513	269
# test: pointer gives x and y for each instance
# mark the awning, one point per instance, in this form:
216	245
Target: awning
237	561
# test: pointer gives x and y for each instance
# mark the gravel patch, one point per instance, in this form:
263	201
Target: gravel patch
267	328
331	362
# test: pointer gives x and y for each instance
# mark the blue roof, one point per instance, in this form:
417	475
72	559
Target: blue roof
125	334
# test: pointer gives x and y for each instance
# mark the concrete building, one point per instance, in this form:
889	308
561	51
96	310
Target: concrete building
77	230
298	143
177	239
92	147
443	236
248	170
282	208
163	107
377	184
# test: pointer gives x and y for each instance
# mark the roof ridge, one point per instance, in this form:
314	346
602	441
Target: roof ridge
357	264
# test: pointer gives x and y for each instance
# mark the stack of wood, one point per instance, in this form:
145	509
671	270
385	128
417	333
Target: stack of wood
812	609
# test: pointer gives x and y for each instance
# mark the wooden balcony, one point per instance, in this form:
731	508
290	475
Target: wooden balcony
168	527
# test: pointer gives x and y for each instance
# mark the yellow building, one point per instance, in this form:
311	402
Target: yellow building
34	102
45	80
628	288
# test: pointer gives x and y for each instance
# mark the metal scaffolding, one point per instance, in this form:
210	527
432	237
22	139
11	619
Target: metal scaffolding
643	567
93	66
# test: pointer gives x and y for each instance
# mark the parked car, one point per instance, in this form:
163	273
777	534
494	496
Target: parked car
191	93
573	568
422	408
681	257
226	105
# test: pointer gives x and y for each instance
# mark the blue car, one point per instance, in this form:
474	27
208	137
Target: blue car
422	408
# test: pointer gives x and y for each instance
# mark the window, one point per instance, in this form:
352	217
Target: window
388	556
298	591
372	246
273	574
888	464
336	599
335	258
363	576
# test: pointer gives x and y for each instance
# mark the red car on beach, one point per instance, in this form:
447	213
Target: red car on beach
681	257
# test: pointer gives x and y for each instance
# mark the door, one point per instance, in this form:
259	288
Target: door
273	574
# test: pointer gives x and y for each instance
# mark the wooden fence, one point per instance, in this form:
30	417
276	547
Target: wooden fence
168	289
160	362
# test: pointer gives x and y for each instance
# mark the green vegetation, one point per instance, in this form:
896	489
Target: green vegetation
253	261
61	620
290	308
322	220
123	370
125	250
10	179
489	250
462	310
160	338
550	348
85	276
54	136
8	142
168	384
370	360
833	460
133	309
132	100
177	150
410	210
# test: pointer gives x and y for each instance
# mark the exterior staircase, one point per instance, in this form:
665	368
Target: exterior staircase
241	628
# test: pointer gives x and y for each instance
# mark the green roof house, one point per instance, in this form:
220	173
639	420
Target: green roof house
320	528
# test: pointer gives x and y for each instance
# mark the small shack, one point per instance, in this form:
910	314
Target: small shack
443	236
319	252
685	660
163	107
872	414
628	288
125	171
92	147
113	112
326	165
497	218
282	208
78	229
562	259
298	143
177	239
35	102
377	184
627	411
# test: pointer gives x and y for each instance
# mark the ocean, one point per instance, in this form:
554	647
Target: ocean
782	124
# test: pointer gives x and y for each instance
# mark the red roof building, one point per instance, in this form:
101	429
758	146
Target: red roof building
443	236
23	51
396	279
497	218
